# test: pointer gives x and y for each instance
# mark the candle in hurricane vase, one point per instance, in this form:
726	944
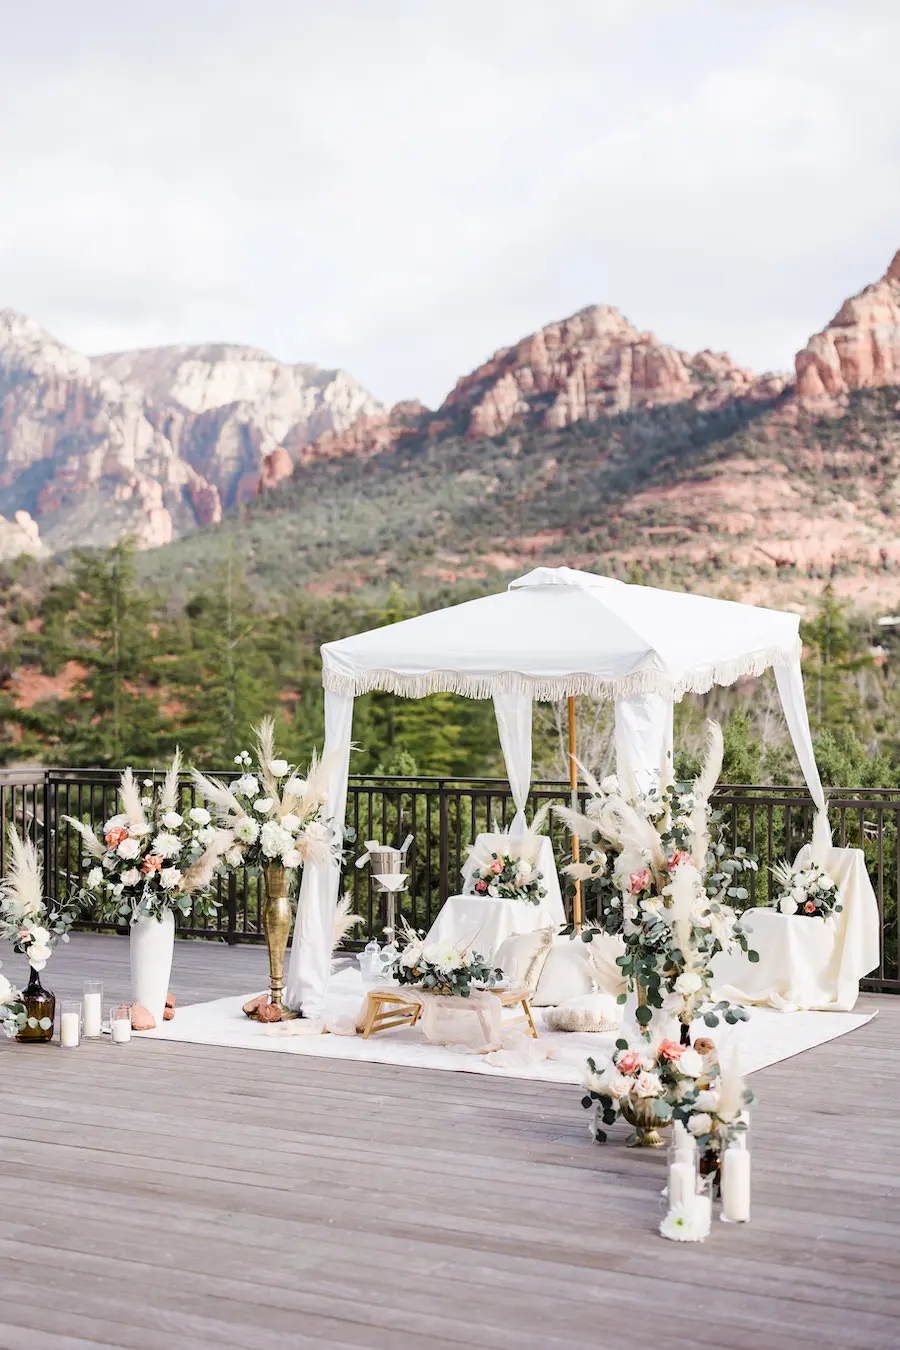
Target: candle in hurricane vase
736	1182
120	1024
70	1024
93	1007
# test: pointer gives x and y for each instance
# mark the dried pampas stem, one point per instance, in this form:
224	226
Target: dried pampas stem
23	884
223	799
200	873
344	921
168	797
92	844
131	800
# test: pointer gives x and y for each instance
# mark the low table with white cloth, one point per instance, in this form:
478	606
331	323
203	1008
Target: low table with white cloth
483	923
808	964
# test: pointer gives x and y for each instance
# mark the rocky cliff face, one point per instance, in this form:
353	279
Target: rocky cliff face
20	535
149	443
860	348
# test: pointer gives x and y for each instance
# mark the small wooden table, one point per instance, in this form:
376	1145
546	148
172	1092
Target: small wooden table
386	1008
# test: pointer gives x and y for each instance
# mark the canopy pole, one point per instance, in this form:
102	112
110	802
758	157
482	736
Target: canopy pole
573	784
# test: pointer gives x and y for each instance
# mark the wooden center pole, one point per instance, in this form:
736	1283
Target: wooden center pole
573	784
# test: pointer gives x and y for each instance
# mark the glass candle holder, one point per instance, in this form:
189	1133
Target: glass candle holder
736	1180
70	1024
682	1168
120	1024
92	1007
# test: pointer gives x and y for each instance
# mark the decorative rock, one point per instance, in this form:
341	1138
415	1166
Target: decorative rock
268	1012
168	1013
254	1004
170	1000
141	1018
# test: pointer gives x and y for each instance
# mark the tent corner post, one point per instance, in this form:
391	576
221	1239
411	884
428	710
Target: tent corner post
573	785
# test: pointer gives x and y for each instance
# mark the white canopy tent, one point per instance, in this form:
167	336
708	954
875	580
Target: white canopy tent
552	634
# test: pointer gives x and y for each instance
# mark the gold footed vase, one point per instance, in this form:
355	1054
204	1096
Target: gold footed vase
646	1125
276	922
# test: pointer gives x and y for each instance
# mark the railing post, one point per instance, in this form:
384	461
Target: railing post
443	843
231	936
51	887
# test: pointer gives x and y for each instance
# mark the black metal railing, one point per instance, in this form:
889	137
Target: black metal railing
444	815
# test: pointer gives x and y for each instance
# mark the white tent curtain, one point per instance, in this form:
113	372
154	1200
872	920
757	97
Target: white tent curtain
643	739
514	725
789	681
312	943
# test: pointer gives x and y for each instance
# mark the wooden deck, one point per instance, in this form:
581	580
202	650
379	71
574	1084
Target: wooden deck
164	1195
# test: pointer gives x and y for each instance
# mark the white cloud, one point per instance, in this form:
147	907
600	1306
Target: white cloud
402	187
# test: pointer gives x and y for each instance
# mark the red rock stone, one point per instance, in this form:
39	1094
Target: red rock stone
859	349
254	1004
277	467
170	1000
268	1012
141	1018
168	1013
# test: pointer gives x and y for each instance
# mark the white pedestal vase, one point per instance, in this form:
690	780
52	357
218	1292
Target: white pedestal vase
152	946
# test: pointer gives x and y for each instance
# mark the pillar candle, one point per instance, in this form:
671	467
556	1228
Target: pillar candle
682	1183
93	1014
703	1212
68	1029
685	1144
736	1184
121	1029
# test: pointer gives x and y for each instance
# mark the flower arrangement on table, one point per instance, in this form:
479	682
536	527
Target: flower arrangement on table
805	888
662	879
442	968
152	857
26	920
13	1015
506	875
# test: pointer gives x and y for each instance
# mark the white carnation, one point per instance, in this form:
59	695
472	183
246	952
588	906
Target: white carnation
247	785
94	877
246	831
129	848
170	877
172	820
274	840
685	1223
199	815
165	845
291	858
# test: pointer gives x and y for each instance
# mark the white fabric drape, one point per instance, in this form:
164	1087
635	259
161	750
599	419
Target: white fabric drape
643	738
311	946
789	681
514	725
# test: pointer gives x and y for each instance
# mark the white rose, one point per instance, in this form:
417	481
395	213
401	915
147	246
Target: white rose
826	882
166	845
411	956
207	834
247	785
129	848
291	858
295	787
278	767
94	877
246	831
234	857
199	815
648	1085
690	1064
700	1123
172	820
39	934
262	805
5	990
787	905
169	878
131	877
38	955
688	983
707	1100
290	822
798	893
114	823
609	784
316	830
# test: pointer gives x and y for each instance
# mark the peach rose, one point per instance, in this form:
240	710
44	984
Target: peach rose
629	1061
116	835
152	863
680	856
639	881
810	907
497	867
481	887
671	1050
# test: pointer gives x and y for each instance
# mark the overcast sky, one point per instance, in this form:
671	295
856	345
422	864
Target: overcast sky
400	187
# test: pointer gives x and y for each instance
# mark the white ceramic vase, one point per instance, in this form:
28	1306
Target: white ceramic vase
152	946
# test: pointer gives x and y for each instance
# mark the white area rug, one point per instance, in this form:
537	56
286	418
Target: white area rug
768	1037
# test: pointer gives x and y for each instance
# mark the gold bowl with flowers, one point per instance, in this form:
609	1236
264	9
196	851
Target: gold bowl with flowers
646	1124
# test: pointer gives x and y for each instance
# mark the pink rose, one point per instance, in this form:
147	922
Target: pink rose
639	881
497	867
680	856
629	1061
671	1050
481	886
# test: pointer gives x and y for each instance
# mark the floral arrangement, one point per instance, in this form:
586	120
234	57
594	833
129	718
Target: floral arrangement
12	1009
506	875
25	919
153	857
806	889
668	1081
273	815
442	968
661	877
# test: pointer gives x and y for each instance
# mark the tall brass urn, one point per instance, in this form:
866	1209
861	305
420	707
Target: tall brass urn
276	921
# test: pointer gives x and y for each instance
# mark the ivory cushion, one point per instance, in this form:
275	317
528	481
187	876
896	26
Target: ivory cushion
522	956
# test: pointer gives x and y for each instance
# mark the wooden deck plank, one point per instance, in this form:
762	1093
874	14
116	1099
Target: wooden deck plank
290	1201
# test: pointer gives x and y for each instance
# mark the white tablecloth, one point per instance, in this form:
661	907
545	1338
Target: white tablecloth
809	964
483	923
